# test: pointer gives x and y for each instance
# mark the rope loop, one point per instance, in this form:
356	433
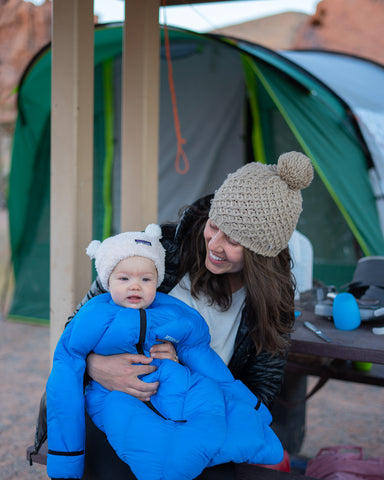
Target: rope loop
180	140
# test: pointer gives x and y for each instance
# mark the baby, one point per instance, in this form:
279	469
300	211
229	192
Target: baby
199	417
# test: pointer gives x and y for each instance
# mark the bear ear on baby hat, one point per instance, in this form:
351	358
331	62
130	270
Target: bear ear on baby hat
93	248
153	230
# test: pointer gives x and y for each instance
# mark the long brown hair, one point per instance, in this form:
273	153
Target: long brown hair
270	288
268	281
192	261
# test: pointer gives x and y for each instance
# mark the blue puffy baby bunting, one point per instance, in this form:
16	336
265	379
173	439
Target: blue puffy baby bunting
200	416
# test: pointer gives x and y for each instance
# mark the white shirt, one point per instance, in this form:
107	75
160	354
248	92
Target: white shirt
222	326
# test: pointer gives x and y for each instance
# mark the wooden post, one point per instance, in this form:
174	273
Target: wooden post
140	114
71	158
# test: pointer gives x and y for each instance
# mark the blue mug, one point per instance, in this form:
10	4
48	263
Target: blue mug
346	313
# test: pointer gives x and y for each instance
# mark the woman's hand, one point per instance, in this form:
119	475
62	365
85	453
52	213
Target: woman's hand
120	372
164	350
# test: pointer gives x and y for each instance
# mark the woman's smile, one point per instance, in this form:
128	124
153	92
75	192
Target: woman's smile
223	254
215	257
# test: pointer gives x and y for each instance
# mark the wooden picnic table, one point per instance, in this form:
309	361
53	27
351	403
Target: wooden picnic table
310	355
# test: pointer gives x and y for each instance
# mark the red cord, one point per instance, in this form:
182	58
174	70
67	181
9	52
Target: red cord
180	140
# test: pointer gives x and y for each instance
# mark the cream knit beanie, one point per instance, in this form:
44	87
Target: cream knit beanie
112	250
259	205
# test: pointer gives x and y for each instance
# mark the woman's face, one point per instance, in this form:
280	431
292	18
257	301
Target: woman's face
223	254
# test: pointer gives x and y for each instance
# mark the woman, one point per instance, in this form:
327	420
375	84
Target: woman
228	258
203	416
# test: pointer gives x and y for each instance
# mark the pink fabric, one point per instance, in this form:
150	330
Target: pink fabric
345	462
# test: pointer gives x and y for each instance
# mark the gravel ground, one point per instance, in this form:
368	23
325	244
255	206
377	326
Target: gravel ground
24	360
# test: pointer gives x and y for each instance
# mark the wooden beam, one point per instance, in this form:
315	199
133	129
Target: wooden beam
140	114
71	157
181	2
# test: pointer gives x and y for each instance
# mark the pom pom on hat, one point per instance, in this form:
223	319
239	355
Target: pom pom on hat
112	250
259	205
295	169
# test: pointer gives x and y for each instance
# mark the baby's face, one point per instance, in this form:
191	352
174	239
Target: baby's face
133	282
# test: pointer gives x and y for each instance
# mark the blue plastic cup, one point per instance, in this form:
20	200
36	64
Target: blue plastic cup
346	313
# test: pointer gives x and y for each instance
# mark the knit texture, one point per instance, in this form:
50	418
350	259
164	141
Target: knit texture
259	205
112	250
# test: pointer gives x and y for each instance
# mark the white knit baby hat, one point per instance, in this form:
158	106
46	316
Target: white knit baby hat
112	250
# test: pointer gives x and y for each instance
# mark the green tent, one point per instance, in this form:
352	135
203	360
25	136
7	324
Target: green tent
237	103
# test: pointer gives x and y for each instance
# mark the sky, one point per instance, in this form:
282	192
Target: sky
205	17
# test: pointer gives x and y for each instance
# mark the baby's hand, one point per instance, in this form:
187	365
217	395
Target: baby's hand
164	350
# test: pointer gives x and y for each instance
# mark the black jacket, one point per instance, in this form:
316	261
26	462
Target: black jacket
262	373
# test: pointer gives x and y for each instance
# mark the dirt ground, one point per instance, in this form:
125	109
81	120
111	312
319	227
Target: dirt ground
341	413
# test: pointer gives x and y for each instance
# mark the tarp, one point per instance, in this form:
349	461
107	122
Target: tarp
237	103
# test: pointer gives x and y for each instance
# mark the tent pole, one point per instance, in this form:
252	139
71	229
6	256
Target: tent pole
71	158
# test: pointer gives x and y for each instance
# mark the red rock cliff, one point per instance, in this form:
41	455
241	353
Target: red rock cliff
24	29
349	26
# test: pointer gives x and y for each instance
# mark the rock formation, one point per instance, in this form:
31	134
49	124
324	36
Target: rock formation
24	29
347	26
276	31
